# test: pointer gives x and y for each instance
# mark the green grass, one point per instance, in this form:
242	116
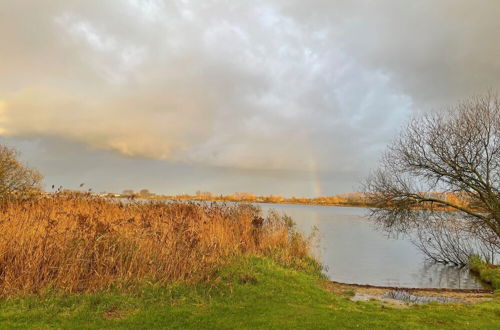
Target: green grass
250	293
488	273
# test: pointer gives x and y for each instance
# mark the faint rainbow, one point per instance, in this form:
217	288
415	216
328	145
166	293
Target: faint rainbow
315	177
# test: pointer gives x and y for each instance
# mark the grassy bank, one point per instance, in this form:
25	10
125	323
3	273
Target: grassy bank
250	292
486	272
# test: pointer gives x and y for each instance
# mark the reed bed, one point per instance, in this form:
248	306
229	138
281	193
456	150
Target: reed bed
82	243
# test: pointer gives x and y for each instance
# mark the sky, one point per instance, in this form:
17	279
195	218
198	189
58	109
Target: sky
285	97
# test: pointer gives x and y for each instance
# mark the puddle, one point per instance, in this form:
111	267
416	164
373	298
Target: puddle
402	299
405	296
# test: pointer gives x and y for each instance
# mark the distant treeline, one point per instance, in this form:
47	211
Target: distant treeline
348	199
352	199
358	199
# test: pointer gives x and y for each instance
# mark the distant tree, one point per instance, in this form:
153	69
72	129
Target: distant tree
455	153
274	198
144	193
203	194
128	192
16	178
244	196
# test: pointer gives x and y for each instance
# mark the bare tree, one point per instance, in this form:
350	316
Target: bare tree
443	161
446	238
145	193
128	192
16	179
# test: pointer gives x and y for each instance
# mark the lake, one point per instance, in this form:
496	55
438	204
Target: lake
354	251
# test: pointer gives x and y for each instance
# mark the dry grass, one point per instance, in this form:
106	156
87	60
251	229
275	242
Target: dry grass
82	243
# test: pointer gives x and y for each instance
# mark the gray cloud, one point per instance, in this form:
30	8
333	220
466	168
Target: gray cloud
437	52
317	86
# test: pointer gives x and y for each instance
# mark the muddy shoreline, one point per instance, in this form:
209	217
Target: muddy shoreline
364	292
367	286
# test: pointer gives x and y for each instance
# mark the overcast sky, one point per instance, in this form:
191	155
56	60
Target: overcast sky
289	97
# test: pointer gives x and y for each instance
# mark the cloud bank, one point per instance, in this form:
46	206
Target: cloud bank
290	85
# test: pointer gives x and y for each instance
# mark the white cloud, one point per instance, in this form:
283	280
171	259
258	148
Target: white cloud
269	85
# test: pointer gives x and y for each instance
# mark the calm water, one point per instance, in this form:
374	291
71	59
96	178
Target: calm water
354	251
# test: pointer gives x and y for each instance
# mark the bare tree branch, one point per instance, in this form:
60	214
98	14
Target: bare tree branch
448	160
16	179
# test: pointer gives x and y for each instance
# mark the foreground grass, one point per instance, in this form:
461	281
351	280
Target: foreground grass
252	292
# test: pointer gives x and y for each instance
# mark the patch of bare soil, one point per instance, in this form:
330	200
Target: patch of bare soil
368	292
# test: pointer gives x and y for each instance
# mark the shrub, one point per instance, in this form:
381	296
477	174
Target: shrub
16	179
488	273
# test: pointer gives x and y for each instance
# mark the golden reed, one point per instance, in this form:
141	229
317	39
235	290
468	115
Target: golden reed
83	243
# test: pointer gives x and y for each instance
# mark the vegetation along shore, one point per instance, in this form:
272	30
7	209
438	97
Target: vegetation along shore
82	261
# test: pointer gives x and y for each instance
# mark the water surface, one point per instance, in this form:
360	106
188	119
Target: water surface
354	251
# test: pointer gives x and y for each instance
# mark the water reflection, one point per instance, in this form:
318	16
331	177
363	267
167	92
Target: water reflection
354	251
442	276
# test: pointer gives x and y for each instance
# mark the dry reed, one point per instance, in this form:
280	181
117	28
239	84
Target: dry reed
83	243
